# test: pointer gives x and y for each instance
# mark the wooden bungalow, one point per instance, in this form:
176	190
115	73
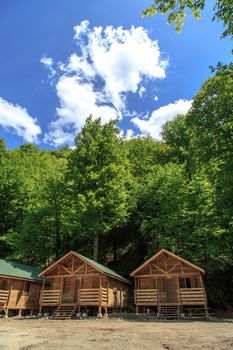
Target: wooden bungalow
78	283
170	286
20	287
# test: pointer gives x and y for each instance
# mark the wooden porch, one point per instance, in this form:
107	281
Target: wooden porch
84	297
182	297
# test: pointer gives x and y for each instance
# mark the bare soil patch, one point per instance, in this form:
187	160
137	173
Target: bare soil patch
117	334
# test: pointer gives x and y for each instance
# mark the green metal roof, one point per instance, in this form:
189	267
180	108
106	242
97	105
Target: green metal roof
104	269
13	269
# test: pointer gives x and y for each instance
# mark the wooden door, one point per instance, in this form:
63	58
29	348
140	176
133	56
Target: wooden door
171	290
77	286
70	290
168	292
162	290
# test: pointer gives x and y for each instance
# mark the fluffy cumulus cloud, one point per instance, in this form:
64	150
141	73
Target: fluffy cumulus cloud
15	118
77	101
153	125
109	63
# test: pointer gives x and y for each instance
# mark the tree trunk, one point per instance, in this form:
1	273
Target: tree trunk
96	247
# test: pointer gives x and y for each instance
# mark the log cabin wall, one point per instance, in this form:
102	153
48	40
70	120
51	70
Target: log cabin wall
19	286
166	280
80	281
19	294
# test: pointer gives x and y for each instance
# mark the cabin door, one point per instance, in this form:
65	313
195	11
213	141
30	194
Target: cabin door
171	290
70	290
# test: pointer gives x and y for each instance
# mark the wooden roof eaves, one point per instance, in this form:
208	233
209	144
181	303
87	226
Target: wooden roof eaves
21	278
169	253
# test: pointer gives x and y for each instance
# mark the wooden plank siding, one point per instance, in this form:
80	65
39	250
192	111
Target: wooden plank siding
19	294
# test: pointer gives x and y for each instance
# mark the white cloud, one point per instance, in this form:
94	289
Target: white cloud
141	91
48	63
110	63
77	102
153	125
122	58
156	98
80	29
129	134
80	66
16	118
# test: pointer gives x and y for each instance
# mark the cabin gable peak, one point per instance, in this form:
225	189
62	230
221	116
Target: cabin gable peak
73	264
157	265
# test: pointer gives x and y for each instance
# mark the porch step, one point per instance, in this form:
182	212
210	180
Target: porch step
64	312
169	312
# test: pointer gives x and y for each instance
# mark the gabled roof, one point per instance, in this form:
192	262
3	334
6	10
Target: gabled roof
16	270
157	255
101	268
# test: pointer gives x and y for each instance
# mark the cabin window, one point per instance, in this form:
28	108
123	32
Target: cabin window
185	282
195	282
26	287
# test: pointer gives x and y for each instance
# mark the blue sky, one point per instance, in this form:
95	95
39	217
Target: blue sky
63	60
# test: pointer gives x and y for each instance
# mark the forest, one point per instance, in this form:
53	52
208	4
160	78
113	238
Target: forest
120	200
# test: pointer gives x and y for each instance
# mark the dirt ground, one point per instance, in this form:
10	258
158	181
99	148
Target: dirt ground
114	334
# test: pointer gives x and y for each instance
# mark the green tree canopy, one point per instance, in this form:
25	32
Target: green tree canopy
99	179
176	11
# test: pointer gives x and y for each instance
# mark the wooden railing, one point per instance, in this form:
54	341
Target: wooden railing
91	296
192	296
104	295
146	296
50	297
184	296
4	295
